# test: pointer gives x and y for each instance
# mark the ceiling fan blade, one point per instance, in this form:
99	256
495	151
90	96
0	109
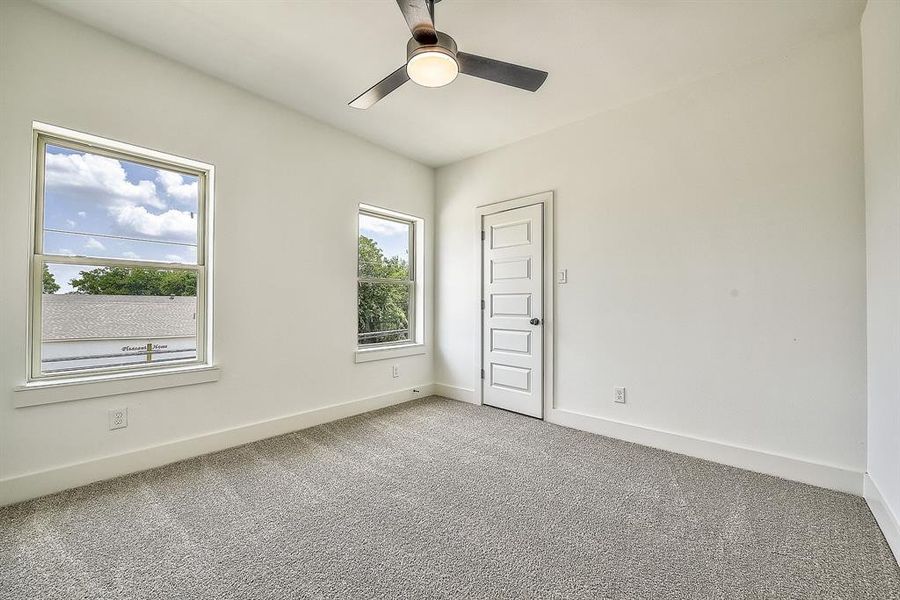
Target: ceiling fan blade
419	15
381	89
501	72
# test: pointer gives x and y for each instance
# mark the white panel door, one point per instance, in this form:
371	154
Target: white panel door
512	317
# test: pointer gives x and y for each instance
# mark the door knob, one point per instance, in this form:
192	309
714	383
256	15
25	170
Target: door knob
535	321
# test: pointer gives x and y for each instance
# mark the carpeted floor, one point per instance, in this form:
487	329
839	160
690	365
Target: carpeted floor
439	499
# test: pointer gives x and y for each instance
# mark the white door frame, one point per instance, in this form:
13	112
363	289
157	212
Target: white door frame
549	316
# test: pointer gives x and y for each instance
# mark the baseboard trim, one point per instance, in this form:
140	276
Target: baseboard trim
884	516
455	392
787	467
33	485
41	483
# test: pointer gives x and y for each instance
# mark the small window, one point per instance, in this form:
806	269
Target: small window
387	284
120	257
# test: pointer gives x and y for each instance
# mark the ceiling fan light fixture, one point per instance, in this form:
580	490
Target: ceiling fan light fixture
432	68
433	60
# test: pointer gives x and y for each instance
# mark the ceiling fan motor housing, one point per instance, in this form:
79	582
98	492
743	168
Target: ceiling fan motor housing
445	45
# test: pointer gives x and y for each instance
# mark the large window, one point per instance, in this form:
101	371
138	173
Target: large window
387	290
119	279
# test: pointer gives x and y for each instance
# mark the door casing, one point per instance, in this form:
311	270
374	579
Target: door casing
548	287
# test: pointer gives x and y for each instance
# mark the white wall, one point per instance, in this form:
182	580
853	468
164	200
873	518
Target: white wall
881	103
714	241
285	256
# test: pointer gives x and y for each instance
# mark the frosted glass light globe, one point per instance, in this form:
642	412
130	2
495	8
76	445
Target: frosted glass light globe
432	69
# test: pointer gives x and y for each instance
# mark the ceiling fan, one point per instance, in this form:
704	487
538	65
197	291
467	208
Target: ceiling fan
432	60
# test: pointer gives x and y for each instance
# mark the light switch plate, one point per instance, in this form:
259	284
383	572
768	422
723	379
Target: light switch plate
562	276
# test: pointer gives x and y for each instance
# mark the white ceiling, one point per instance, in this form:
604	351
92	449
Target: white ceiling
317	55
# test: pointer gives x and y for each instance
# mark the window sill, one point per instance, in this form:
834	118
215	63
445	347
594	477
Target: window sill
371	354
49	391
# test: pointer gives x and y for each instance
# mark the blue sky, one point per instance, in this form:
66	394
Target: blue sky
392	237
101	207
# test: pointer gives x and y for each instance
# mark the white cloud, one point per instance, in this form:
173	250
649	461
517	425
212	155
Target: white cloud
70	223
174	258
172	223
99	178
381	226
65	252
92	244
130	254
174	185
136	209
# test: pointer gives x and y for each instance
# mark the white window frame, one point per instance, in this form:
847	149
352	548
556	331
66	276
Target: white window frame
48	134
416	342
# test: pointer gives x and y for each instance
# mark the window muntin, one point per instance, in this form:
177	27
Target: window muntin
119	265
386	287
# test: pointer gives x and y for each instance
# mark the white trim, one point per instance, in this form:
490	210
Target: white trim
32	485
823	475
884	516
549	317
115	145
49	391
388	212
384	353
455	393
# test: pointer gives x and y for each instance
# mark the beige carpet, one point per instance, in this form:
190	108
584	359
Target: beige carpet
438	499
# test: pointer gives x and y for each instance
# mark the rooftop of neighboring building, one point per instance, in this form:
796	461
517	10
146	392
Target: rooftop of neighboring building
88	316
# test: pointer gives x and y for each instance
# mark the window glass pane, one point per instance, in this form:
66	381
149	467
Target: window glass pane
383	312
383	248
105	207
98	317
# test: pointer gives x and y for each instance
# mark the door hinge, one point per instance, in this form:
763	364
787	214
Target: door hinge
482	236
482	373
482	305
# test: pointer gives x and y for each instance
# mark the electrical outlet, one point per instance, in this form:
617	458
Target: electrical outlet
118	418
395	371
620	395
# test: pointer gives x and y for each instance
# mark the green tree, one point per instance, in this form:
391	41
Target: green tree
49	282
382	306
135	281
